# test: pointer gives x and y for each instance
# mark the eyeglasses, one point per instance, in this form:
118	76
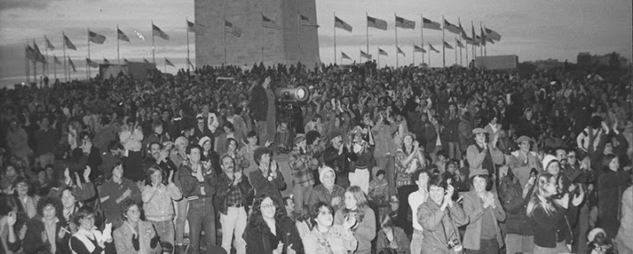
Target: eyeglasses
268	206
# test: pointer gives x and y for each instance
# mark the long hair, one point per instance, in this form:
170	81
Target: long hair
540	197
150	171
361	202
256	219
606	161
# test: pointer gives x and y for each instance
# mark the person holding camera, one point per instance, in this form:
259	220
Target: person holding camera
548	208
484	212
440	217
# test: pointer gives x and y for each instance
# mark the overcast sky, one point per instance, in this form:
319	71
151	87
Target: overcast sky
531	29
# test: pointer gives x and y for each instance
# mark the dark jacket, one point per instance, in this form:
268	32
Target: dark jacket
258	240
554	228
611	185
259	103
273	188
33	242
338	162
511	197
225	185
191	187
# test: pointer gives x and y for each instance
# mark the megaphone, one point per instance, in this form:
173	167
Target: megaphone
293	94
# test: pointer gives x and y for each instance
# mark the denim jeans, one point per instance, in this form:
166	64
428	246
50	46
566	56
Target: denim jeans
201	216
181	220
165	230
233	223
519	243
486	246
360	178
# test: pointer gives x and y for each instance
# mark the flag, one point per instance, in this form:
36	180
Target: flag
450	27
37	54
382	52
106	61
345	56
427	23
121	35
433	49
365	55
492	34
488	39
305	21
72	64
125	60
49	45
189	62
468	40
400	51
232	29
269	23
417	48
446	45
342	24
95	37
56	60
473	32
459	43
145	60
404	23
376	23
91	63
167	62
30	53
69	44
157	32
483	36
462	31
195	28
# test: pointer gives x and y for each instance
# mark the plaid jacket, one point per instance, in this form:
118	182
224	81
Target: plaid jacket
300	165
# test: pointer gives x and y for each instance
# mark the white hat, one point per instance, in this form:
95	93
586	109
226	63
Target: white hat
547	160
324	170
203	140
594	232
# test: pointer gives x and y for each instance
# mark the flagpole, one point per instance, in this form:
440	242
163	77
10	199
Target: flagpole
461	62
46	56
88	53
187	32
118	57
64	49
396	29
443	46
335	40
378	62
483	41
422	36
474	39
367	31
430	55
224	21
298	39
466	46
262	37
27	65
54	68
413	55
165	65
455	52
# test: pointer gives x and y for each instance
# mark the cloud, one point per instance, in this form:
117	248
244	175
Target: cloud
25	4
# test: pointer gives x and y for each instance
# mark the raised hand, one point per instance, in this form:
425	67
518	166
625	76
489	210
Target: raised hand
12	218
87	172
170	178
273	166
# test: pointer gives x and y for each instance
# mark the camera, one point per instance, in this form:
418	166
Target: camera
453	244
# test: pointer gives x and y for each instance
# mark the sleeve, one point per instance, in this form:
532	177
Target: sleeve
78	247
429	220
253	241
246	188
473	210
309	244
85	192
403	241
188	184
148	193
279	181
512	201
367	229
136	192
174	191
497	156
119	243
498	210
257	182
474	157
458	215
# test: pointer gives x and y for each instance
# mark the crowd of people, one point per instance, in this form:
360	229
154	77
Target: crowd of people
380	160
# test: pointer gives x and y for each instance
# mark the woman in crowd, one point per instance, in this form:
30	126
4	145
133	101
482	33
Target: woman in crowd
45	232
326	237
135	236
157	202
115	191
409	159
391	237
356	208
611	184
88	240
548	211
514	197
8	176
484	212
241	163
267	179
269	230
360	170
440	217
11	221
221	142
24	193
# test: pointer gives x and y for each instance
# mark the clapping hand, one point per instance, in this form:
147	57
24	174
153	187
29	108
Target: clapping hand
273	166
238	177
12	218
350	222
170	178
